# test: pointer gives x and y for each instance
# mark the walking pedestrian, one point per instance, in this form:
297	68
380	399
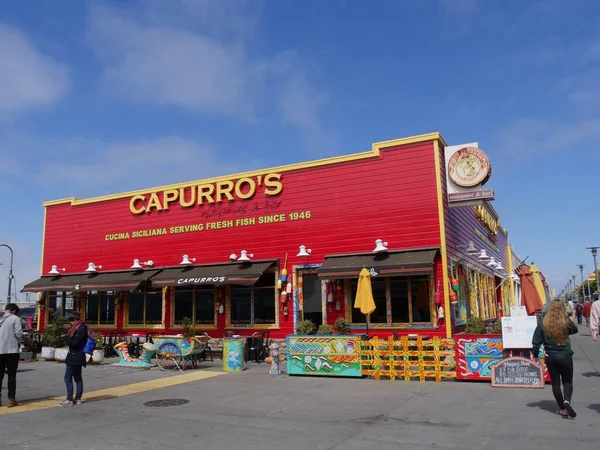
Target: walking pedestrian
76	338
10	351
554	332
587	308
595	319
579	312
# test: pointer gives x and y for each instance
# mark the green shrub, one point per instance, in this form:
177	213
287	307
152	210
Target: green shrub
498	326
475	325
55	330
325	329
189	328
342	326
306	327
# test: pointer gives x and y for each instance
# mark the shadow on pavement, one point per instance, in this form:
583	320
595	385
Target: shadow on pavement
591	374
546	405
99	398
595	407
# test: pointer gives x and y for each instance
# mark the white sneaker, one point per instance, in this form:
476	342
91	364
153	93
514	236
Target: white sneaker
66	403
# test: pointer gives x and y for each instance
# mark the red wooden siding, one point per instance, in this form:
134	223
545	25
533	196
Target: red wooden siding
392	197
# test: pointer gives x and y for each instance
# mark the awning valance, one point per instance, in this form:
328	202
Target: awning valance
418	262
245	274
99	281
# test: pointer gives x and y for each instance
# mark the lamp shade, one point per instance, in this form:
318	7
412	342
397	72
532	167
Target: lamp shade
136	264
499	266
380	246
483	256
187	261
55	270
304	252
471	250
93	268
245	256
492	263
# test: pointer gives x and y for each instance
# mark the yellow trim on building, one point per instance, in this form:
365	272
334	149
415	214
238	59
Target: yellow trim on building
374	152
511	281
444	252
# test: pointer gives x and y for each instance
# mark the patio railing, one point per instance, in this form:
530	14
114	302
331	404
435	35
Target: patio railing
408	357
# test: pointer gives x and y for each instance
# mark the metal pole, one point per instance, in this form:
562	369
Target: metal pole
575	287
582	285
10	271
594	254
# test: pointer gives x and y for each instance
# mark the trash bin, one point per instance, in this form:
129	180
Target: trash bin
233	354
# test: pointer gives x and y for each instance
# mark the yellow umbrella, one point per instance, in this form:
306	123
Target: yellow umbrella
537	281
364	295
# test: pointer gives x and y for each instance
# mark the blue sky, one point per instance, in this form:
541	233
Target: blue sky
105	96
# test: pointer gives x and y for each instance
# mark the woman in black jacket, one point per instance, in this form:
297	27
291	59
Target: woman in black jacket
76	338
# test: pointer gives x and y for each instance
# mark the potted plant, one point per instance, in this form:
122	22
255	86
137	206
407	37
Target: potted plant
189	328
98	353
29	348
325	329
306	327
53	338
342	326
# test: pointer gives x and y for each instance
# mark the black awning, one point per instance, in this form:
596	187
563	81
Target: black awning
100	281
245	274
418	262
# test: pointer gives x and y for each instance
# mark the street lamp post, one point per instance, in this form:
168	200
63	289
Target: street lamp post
574	286
10	271
580	266
594	254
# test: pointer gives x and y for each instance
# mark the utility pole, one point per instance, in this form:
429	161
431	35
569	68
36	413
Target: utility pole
594	254
10	272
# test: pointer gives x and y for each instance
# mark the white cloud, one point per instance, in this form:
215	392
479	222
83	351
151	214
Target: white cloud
28	79
189	55
96	167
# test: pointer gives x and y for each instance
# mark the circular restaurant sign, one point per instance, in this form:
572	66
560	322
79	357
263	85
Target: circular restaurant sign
469	167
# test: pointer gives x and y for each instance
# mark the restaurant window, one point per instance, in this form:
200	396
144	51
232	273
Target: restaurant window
312	304
100	308
195	302
254	305
60	303
145	307
410	301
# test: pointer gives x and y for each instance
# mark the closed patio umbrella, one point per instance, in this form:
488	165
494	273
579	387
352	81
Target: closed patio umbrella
364	295
538	283
530	296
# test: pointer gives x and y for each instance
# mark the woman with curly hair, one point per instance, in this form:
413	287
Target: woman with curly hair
554	332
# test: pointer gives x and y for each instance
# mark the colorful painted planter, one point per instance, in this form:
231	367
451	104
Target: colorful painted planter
233	355
337	356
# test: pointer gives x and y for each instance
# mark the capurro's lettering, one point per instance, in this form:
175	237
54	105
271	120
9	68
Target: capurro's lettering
206	194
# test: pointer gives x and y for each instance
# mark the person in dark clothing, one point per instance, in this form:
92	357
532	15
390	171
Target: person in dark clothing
76	338
579	312
553	333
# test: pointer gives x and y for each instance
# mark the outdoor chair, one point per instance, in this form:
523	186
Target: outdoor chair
256	347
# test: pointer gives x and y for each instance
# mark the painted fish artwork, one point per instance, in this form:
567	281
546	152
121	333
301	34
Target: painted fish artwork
324	355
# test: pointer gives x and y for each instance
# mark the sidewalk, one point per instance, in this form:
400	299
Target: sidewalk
252	410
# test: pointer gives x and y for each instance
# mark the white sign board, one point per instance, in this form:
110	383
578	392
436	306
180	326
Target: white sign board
517	332
518	311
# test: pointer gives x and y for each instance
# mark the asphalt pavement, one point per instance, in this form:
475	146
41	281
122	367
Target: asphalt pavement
253	410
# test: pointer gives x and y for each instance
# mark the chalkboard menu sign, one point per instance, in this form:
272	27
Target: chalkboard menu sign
517	373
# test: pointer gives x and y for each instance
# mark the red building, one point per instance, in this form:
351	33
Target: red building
337	208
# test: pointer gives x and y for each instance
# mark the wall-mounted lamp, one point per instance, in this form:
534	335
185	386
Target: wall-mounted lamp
56	271
493	264
515	277
245	256
483	256
304	252
233	257
380	246
92	268
499	267
187	261
137	265
470	249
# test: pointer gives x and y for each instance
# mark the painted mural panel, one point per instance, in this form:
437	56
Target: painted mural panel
324	355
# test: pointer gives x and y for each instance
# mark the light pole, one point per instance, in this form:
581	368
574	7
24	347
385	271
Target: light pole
580	266
574	287
594	254
10	271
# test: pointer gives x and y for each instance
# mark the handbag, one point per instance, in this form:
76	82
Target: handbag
90	346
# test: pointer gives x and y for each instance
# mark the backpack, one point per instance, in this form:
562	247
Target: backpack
90	345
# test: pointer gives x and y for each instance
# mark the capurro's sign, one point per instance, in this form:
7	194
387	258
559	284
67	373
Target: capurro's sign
206	194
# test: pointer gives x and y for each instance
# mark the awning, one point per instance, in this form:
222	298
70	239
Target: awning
419	262
100	281
232	273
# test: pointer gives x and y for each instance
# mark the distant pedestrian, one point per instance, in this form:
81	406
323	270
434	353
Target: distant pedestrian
554	333
587	308
579	312
595	319
76	338
10	351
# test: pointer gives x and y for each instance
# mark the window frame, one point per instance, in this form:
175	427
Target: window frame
97	323
63	302
349	302
199	327
252	324
144	326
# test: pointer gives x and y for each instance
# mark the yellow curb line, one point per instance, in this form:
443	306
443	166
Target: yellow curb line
118	391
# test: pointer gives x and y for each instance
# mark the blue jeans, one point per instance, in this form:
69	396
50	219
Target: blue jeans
74	373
